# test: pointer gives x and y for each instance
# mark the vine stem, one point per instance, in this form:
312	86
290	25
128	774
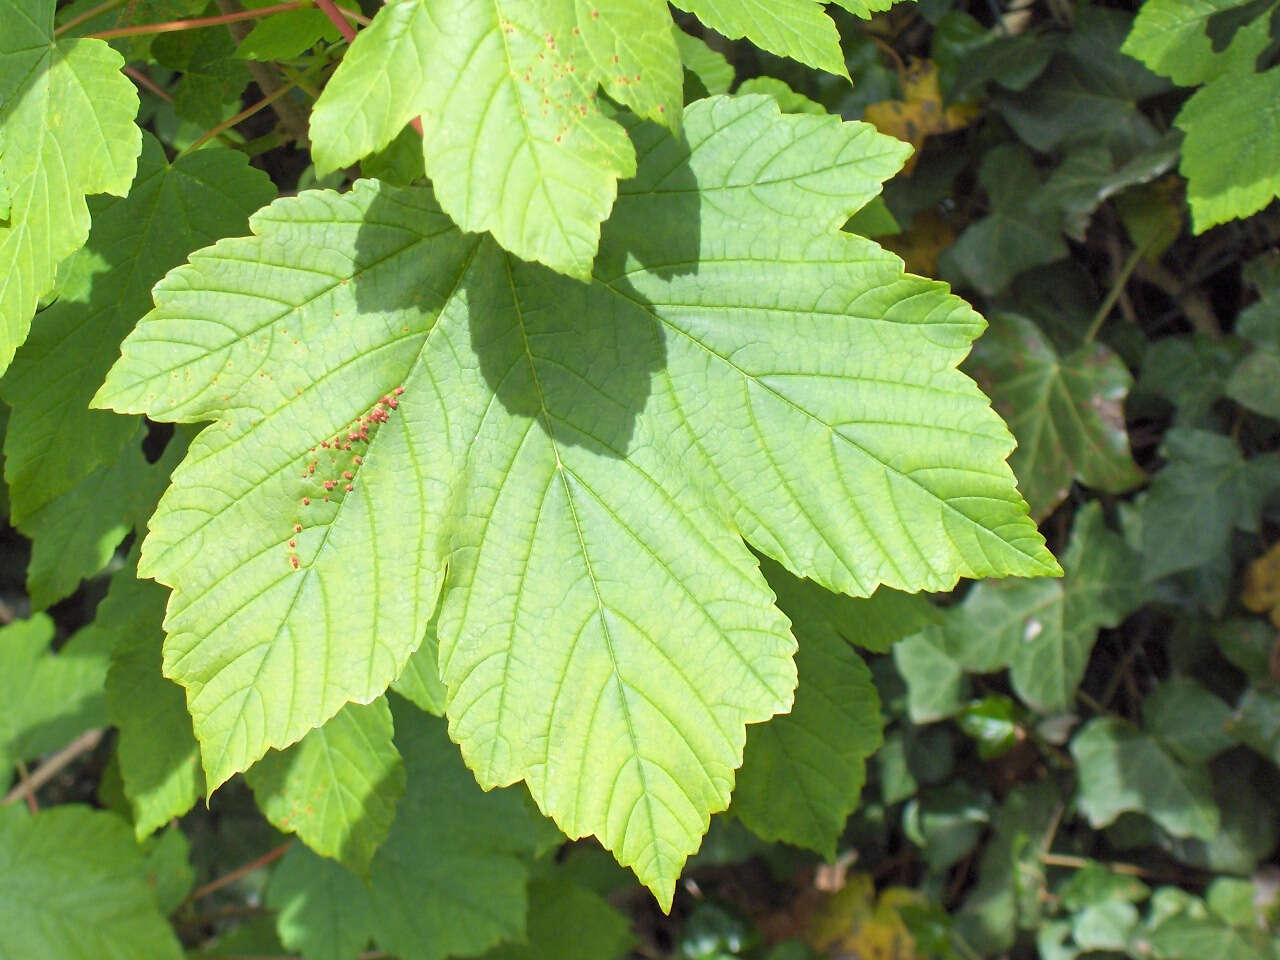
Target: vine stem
193	24
87	15
142	80
242	115
1117	288
217	883
49	769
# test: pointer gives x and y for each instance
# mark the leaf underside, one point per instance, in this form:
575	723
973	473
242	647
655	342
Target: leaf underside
582	459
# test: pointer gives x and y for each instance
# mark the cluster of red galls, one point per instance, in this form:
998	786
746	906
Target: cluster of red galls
358	432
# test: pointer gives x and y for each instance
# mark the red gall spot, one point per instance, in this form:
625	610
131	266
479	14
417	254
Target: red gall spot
305	476
292	544
346	475
293	561
330	484
661	108
306	501
615	58
297	528
349	487
398	390
595	14
393	403
326	498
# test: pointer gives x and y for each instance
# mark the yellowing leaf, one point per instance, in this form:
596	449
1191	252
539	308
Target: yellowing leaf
854	923
920	113
1261	593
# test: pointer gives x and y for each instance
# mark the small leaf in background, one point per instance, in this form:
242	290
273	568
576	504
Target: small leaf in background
1067	412
1090	93
937	686
1123	769
919	113
1206	490
72	887
212	79
992	722
1192	723
1090	175
156	749
854	921
714	74
788	100
336	788
1021	231
1044	630
1153	216
802	772
567	922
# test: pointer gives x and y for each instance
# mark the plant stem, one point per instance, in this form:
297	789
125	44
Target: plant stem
47	770
242	115
1117	288
175	25
87	15
336	16
32	805
227	879
293	118
142	80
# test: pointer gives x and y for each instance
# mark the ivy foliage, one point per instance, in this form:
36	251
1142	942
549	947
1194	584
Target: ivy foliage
494	480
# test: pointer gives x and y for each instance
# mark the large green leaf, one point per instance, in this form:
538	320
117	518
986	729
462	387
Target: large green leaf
54	440
1066	412
514	140
66	113
157	752
73	887
1123	769
802	773
1044	631
450	880
798	29
337	787
582	459
568	922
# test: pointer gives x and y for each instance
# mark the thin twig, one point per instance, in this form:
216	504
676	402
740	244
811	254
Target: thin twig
1128	869
32	805
49	769
244	114
142	80
87	15
172	26
216	884
1117	287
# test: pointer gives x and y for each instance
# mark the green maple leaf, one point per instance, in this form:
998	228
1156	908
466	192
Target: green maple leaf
514	140
78	480
67	115
467	848
337	787
1067	412
156	749
72	881
798	29
583	459
802	772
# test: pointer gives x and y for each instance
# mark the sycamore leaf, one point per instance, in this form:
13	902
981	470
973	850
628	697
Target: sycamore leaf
395	399
54	441
67	114
709	67
337	787
1123	769
462	847
1171	38
157	752
1066	412
802	772
798	29
72	885
514	141
1232	139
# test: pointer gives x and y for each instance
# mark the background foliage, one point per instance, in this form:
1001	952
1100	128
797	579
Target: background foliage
1083	766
